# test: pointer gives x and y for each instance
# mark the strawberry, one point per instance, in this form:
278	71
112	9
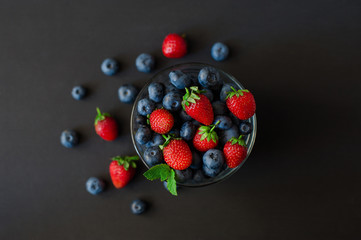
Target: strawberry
235	151
198	106
241	103
174	46
122	170
106	126
206	138
176	153
161	121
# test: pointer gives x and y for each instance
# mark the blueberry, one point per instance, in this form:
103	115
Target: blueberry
225	90
219	108
224	122
196	160
188	130
198	176
94	185
196	123
184	116
69	138
245	128
213	159
175	132
145	107
153	156
172	101
156	140
210	172
183	175
110	66
127	93
156	91
228	134
143	135
208	93
179	79
138	206
141	120
219	51
209	77
171	88
78	92
145	63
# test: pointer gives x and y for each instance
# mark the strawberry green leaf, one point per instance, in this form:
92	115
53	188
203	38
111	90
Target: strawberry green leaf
204	136
171	183
126	161
100	116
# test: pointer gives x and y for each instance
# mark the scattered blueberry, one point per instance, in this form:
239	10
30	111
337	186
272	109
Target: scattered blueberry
219	108
228	134
141	120
78	92
209	77
219	51
143	135
184	116
138	206
69	138
208	93
156	92
145	63
196	160
110	66
145	107
224	122
156	140
127	93
188	130
183	175
172	101
245	128
94	185
225	90
153	156
213	160
179	79
198	176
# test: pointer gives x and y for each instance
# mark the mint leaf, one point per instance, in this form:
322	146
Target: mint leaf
171	183
157	172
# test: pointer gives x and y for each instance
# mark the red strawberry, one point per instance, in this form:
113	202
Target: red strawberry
176	153
241	103
105	126
198	106
206	138
161	121
235	151
174	46
122	170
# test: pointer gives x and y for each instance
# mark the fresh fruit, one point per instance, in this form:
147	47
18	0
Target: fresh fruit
219	51
176	153
105	126
241	103
153	156
206	138
219	108
143	135
78	92
156	92
145	107
141	120
209	77
164	173
245	128
174	46
208	93
225	90
94	185
161	121
184	116
235	151
196	160
188	130
228	134
145	63
110	66
198	106
156	140
122	170
225	122
213	160
172	101
127	93
183	175
69	138
138	207
179	79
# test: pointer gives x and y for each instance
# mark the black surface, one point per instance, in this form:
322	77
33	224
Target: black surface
300	58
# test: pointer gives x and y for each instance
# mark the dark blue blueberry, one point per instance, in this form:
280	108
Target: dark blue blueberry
172	101
219	51
127	93
188	130
156	140
69	138
194	79
143	135
179	79
171	88
213	159
153	156
224	122
110	66
175	132
209	77
196	160
183	175
78	92
219	108
225	90
145	106
208	93
141	120
145	63
184	116
156	91
228	134
196	123
245	128
138	206
210	172
94	185
198	176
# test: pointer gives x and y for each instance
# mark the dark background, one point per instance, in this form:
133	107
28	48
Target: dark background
301	59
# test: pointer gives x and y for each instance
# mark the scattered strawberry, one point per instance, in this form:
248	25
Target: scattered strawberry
176	153
206	138
122	170
106	126
161	121
198	106
174	46
241	103
235	151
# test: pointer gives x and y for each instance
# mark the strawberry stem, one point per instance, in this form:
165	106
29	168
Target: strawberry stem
126	161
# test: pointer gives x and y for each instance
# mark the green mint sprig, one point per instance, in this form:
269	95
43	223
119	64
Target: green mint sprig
164	173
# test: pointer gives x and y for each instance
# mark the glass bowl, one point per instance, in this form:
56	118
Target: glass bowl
192	69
